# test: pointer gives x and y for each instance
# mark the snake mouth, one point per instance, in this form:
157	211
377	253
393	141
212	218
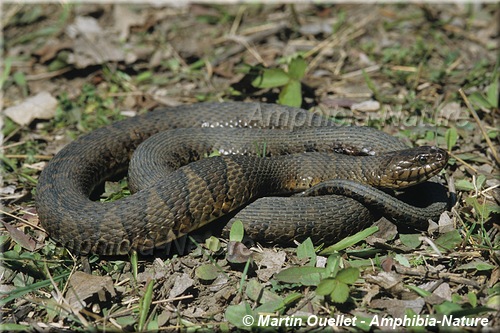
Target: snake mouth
414	166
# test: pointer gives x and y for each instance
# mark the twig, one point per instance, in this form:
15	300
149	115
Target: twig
467	165
47	75
244	42
38	157
23	220
237	20
481	127
437	275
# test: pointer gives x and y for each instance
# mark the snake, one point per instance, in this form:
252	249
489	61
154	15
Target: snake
286	172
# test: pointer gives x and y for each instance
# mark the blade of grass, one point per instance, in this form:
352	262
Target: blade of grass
145	304
349	241
19	292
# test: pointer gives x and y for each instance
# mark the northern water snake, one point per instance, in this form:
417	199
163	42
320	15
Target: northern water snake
200	192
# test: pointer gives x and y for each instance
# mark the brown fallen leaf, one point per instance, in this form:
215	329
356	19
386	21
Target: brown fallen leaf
446	223
439	295
20	237
181	284
397	308
50	49
40	106
83	285
126	18
366	106
387	264
92	44
272	260
388	280
237	253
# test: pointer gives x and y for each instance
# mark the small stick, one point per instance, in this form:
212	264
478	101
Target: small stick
481	127
467	165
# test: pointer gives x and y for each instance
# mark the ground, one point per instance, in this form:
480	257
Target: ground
425	73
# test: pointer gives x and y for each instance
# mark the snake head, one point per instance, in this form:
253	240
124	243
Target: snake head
412	166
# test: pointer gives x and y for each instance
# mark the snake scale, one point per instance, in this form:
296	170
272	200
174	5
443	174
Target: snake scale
279	151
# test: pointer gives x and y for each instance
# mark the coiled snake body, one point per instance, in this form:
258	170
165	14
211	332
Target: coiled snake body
180	198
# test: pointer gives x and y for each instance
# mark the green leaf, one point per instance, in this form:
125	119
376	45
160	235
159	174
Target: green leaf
144	305
11	327
207	272
271	78
464	185
237	231
451	137
472	311
307	275
143	76
372	86
333	264
479	100
411	240
448	241
6	71
493	301
326	286
348	275
340	293
350	240
482	209
152	325
257	293
235	314
480	180
20	80
291	94
21	291
363	323
306	250
421	292
447	307
472	157
270	306
292	298
213	244
297	68
492	92
477	265
402	260
134	263
472	299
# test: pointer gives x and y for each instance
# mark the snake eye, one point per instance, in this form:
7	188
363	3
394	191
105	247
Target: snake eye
422	159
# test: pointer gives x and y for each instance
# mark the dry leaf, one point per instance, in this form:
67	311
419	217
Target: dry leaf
40	106
92	45
237	252
439	295
397	308
445	223
272	260
20	237
125	18
366	106
387	280
50	49
83	286
181	284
